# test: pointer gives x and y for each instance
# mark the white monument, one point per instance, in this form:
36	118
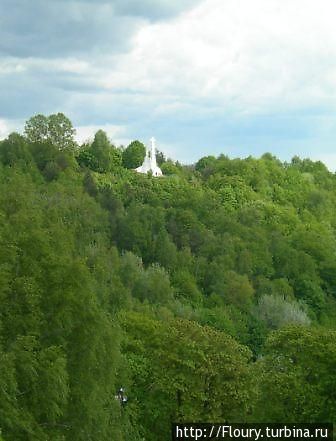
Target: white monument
149	164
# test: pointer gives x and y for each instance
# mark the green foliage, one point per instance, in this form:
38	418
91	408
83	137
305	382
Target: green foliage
133	155
57	336
166	287
276	312
101	155
182	371
205	164
170	168
15	151
160	158
296	369
234	288
56	129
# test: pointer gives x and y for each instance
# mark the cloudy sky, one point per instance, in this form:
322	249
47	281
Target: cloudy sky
239	77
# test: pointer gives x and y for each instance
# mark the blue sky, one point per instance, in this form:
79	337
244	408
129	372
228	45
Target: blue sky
238	77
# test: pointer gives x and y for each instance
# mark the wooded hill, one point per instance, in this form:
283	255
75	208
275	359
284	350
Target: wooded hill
208	294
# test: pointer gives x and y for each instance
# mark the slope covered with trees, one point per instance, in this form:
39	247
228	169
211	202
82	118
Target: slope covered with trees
208	294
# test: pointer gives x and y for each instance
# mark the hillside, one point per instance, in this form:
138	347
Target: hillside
208	294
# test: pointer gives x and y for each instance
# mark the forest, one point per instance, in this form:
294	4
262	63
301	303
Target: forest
208	295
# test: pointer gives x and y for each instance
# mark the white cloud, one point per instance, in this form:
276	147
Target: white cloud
11	66
3	129
329	159
8	126
86	133
233	76
244	56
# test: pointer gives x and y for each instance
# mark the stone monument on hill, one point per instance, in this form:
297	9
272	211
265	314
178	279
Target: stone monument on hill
149	164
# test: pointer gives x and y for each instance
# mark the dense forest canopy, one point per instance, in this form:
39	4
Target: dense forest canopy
208	294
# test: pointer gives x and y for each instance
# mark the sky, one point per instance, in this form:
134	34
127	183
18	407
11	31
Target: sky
205	77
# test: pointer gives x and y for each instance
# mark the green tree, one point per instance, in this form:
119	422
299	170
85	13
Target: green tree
57	333
105	156
133	155
37	128
276	312
14	150
294	375
170	168
56	129
234	288
61	132
160	157
154	286
182	371
206	164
